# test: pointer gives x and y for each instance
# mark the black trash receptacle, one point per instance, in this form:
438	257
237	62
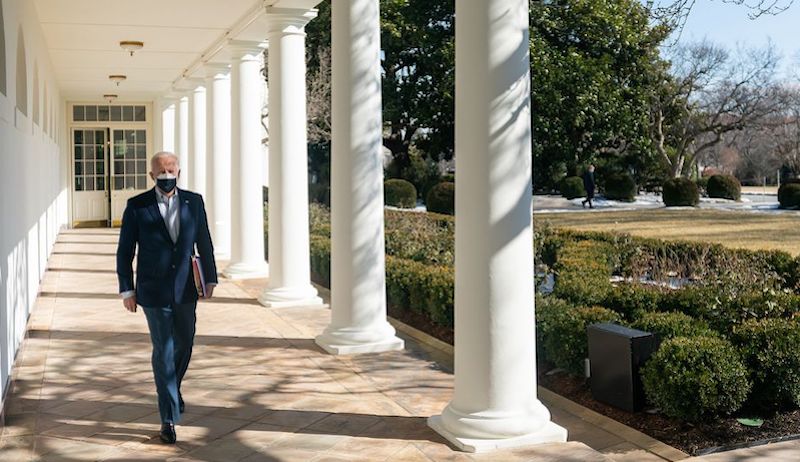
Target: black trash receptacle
616	354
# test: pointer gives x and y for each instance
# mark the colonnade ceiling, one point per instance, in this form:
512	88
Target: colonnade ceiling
83	39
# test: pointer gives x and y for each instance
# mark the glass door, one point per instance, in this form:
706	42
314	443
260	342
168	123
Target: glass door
129	168
90	173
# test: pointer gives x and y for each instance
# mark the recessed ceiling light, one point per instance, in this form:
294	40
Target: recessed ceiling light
131	46
117	78
110	97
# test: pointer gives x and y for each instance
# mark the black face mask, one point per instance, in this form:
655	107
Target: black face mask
166	184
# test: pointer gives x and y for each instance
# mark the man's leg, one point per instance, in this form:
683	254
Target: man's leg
160	321
183	333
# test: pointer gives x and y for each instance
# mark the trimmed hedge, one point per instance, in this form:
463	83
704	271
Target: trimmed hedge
724	187
571	187
680	192
789	195
562	332
582	273
621	187
771	350
694	378
442	198
399	193
672	324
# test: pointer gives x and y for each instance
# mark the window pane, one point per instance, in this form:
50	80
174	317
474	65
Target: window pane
119	151
101	183
78	137
79	184
141	182
116	113
130	182
78	113
99	136
99	152
127	113
130	167
141	151
91	116
119	135
119	167
139	114
141	136
90	183
102	113
78	168
119	182
141	166
89	152
99	167
130	136
78	153
88	136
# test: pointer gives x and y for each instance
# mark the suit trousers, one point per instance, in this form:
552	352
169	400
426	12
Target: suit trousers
172	330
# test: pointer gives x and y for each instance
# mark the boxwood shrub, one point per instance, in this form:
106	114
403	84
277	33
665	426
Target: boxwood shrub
563	333
771	351
680	192
583	272
399	193
571	187
442	198
694	378
789	195
724	187
667	325
621	187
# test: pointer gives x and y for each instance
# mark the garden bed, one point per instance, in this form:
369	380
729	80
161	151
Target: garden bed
695	439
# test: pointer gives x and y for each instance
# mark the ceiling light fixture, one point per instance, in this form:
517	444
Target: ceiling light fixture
117	78
110	98
131	46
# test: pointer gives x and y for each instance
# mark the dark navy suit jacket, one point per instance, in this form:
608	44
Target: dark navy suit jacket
164	274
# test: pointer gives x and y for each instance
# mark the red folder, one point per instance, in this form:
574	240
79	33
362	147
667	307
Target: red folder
199	278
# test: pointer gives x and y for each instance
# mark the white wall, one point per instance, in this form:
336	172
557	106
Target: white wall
33	182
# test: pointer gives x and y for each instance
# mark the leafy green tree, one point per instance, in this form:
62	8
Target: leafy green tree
418	65
594	66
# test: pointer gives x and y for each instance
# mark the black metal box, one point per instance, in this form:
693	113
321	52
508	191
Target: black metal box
616	354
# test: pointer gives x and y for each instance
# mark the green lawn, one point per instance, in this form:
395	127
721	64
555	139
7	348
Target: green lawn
732	229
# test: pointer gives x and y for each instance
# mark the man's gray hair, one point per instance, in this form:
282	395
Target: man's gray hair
161	154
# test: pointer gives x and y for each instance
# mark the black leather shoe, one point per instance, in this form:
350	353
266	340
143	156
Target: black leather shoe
168	433
181	404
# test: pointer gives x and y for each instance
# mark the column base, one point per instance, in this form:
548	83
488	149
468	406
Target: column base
335	346
285	297
243	270
549	433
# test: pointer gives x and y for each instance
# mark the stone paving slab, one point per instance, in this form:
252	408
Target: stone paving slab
258	388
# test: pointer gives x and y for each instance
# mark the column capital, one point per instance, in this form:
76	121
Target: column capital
216	70
239	49
189	84
288	21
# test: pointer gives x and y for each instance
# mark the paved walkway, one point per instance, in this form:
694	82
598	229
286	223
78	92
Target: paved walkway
258	389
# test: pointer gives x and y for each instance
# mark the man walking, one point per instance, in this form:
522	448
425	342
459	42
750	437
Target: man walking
589	186
166	223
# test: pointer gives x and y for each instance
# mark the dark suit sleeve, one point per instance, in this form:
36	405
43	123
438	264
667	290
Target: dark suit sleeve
205	248
128	237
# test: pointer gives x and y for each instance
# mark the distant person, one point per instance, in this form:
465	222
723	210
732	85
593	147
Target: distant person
589	186
166	223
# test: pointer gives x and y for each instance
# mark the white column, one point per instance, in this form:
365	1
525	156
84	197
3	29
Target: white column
247	209
218	157
494	403
197	140
158	127
358	275
168	125
290	274
182	139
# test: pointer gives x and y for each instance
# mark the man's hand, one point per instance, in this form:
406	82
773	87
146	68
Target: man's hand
209	291
130	303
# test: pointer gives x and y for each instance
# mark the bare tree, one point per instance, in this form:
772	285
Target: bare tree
319	99
710	92
675	12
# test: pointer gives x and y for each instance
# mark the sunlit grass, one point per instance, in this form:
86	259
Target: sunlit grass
732	229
